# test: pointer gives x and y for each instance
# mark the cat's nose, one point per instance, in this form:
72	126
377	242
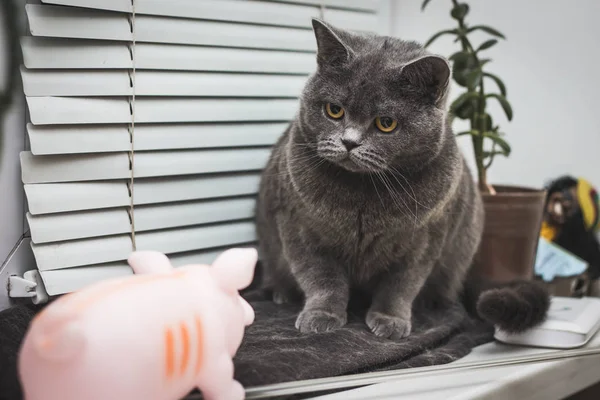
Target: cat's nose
350	144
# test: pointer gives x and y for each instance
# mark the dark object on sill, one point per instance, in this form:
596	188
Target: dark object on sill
571	221
571	286
513	217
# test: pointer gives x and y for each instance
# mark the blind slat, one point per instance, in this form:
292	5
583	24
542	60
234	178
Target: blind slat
116	248
58	53
62	281
74	196
365	5
89	167
153	83
74	139
256	12
222	10
74	110
54	21
68	226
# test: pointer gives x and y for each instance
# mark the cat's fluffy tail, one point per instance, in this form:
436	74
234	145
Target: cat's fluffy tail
512	307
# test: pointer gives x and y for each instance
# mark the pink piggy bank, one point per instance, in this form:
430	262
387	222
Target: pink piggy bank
155	335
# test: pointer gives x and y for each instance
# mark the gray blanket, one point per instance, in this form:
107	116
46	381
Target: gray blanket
273	351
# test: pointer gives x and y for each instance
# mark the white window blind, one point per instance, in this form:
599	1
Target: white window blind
151	121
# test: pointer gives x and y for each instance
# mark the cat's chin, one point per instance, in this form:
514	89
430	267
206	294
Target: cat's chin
353	166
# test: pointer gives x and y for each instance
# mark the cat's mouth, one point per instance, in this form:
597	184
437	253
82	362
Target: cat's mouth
360	161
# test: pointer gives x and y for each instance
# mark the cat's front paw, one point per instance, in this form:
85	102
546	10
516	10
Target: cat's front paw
388	326
319	321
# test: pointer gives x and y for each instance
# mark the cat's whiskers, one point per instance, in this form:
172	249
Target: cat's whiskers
414	218
376	164
312	161
369	160
396	194
308	171
333	155
375	157
297	158
413	196
377	190
398	201
380	176
303	145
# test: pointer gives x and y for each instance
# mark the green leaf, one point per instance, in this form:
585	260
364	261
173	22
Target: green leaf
462	107
459	56
484	61
463	65
473	78
488	122
424	4
492	136
499	141
504	103
463	98
498	82
465	111
437	35
487	29
486	45
459	11
487	154
473	133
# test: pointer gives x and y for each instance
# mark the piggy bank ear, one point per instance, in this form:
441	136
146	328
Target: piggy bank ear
149	262
234	269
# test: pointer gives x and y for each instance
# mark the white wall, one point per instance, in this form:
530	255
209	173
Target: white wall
11	188
12	197
550	63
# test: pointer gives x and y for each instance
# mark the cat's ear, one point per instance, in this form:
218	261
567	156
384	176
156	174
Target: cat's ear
331	50
431	76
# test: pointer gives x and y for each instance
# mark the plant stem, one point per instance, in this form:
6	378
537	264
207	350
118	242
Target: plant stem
483	184
492	155
478	123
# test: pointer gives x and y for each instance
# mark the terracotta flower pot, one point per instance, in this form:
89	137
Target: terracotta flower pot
513	218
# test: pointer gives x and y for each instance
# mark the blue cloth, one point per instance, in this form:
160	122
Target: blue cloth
554	261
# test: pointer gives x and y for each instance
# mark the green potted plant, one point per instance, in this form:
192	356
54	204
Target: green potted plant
513	214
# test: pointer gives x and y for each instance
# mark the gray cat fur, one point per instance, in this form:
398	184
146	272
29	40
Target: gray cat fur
398	216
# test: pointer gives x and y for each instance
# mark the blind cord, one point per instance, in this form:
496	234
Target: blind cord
132	126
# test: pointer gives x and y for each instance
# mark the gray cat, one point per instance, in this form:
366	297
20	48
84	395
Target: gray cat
367	189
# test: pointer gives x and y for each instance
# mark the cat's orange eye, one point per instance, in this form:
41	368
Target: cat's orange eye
386	124
334	111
